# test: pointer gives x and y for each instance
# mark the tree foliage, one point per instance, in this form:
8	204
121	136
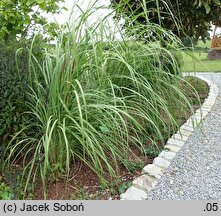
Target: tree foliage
183	17
20	18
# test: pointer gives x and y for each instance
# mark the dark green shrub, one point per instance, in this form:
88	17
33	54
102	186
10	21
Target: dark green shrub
13	87
189	42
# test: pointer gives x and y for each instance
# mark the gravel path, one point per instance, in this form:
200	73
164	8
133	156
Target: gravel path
195	173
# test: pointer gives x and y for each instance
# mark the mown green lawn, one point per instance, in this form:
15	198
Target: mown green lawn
198	61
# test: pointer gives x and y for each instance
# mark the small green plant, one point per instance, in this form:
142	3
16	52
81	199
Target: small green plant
81	194
123	187
5	192
56	172
152	150
19	192
117	186
131	166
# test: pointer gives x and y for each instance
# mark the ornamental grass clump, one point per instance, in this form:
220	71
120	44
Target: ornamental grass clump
92	99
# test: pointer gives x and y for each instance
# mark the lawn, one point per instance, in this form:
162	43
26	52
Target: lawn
198	61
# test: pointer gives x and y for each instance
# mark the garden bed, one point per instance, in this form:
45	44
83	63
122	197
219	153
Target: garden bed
83	183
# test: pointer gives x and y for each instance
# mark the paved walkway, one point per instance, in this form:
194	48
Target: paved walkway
195	173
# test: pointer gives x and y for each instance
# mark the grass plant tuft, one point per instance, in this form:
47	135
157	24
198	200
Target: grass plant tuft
92	98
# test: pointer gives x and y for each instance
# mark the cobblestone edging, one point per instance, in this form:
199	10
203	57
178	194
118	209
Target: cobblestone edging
152	172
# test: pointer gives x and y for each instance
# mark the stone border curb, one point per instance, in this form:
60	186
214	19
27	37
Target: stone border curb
152	172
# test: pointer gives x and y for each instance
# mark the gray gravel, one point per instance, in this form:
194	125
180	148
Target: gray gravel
195	173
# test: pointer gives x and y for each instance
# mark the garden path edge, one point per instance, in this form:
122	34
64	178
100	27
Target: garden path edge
152	172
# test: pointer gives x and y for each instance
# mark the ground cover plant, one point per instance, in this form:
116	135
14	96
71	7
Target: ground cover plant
98	105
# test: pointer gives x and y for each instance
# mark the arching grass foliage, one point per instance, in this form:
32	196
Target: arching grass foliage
92	98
